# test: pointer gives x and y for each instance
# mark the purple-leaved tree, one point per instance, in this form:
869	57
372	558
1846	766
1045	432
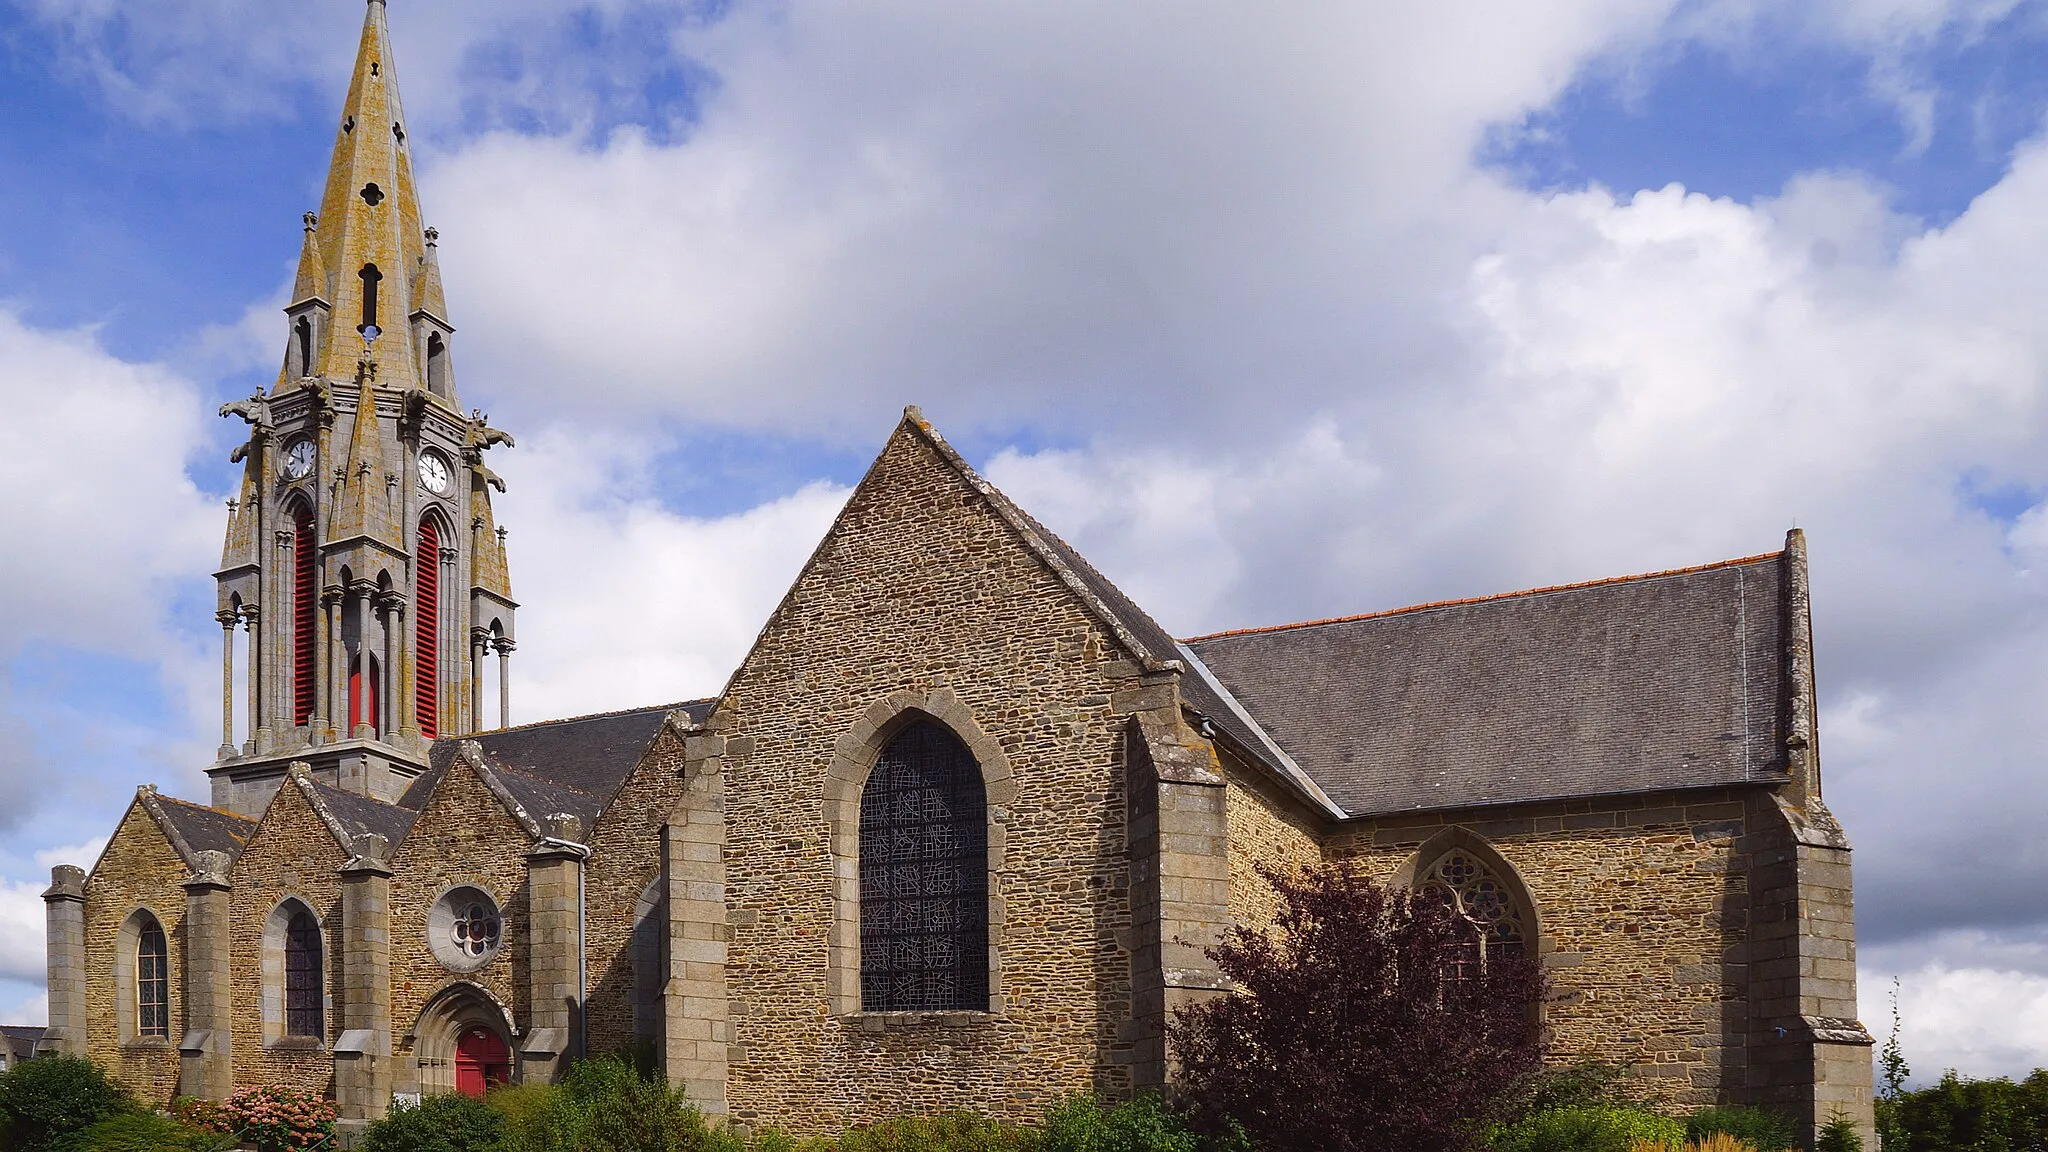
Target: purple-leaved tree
1360	1024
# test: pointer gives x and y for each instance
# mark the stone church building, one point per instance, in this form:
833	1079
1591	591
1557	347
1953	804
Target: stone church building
956	831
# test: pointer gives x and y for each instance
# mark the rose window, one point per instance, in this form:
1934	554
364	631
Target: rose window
476	931
465	929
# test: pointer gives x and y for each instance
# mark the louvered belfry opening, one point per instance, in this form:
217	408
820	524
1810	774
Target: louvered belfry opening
426	575
305	608
924	876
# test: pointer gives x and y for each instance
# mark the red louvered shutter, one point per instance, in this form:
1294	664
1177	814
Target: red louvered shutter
305	603
426	574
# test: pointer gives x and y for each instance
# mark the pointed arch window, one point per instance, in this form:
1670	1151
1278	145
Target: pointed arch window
305	609
304	1006
152	982
924	876
437	364
302	347
1485	902
426	578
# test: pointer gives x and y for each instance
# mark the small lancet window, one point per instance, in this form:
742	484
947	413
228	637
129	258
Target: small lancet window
152	982
398	130
302	348
304	1007
348	124
371	278
437	364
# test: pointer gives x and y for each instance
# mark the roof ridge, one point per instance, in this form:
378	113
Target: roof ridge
587	716
1459	603
206	808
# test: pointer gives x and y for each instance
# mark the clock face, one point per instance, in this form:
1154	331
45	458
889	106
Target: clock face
434	476
298	460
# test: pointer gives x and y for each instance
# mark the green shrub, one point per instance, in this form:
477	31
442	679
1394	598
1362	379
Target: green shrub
453	1123
1972	1114
44	1100
1587	1128
1764	1130
1839	1134
606	1105
1084	1124
142	1132
953	1132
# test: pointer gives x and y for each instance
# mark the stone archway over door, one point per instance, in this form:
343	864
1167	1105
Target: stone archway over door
482	1061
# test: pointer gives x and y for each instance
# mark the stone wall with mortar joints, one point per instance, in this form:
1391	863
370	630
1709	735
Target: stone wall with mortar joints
139	869
625	858
1643	902
464	836
921	586
292	853
1265	828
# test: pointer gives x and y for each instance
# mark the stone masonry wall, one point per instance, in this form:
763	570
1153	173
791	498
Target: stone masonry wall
1643	906
625	858
921	586
139	869
292	853
1265	828
464	836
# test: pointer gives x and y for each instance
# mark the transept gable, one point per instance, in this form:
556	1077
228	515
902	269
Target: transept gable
187	829
465	788
297	828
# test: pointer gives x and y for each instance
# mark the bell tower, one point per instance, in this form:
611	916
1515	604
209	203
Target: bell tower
364	577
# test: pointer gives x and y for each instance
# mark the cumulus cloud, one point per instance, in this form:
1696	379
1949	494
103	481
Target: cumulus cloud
634	604
21	931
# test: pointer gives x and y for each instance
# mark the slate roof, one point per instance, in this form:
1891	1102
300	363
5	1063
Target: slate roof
362	815
575	765
207	829
1671	680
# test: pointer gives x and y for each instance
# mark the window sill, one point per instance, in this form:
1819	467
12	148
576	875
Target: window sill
296	1044
905	1021
146	1044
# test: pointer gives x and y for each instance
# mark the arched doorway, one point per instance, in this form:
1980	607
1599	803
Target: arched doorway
481	1062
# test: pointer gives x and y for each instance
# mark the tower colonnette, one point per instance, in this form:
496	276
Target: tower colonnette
363	570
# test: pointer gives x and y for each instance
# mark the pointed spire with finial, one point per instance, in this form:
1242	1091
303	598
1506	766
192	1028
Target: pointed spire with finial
312	281
370	237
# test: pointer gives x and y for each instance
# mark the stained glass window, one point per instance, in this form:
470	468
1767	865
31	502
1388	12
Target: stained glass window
924	877
476	931
152	982
304	1010
1481	898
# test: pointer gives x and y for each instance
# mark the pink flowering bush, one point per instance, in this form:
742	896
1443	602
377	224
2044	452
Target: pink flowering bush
278	1119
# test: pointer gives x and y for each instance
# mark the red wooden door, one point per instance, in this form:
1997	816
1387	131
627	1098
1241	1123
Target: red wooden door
481	1061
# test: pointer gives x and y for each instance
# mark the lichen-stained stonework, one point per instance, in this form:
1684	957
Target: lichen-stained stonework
625	858
464	836
1643	908
140	869
1269	829
923	586
293	855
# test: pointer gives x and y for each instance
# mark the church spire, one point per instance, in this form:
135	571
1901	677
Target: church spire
371	243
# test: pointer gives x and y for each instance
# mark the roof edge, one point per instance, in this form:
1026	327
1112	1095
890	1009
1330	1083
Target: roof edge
1760	783
1289	772
1020	523
1433	605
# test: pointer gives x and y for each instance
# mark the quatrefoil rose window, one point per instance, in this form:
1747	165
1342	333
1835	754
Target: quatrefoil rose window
465	929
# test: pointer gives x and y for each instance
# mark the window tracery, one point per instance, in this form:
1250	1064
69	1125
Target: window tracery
1484	901
924	876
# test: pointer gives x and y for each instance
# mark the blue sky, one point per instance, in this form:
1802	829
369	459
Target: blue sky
1374	307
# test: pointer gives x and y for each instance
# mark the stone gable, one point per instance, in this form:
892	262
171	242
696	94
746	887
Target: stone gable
625	859
464	835
292	854
921	586
140	869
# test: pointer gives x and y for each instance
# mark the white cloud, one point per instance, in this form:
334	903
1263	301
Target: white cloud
31	1009
82	855
1977	1021
21	931
635	604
